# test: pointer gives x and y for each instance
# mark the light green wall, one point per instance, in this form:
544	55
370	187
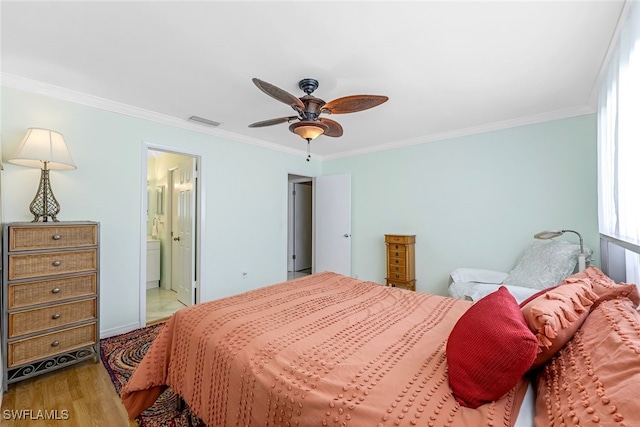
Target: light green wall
244	196
474	201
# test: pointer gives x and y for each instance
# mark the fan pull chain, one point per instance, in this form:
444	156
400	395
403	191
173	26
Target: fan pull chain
308	149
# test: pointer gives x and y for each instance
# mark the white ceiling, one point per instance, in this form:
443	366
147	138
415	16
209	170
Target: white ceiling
448	67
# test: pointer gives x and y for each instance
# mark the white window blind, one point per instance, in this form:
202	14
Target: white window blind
619	142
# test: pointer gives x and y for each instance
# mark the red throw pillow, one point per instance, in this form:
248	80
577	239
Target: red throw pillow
489	350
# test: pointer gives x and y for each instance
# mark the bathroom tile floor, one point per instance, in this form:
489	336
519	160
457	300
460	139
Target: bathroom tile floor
161	303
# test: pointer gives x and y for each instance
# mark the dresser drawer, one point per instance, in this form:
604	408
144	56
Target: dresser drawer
26	238
32	349
53	316
25	266
44	291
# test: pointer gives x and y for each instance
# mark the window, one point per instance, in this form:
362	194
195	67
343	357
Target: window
619	143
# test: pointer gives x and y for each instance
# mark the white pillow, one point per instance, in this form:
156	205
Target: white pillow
461	290
477	275
543	264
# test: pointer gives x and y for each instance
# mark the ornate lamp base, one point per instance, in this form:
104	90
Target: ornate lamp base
44	204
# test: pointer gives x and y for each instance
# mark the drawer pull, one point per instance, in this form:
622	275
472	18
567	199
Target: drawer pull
57	237
397	254
56	316
55	290
397	262
55	343
397	268
397	276
57	263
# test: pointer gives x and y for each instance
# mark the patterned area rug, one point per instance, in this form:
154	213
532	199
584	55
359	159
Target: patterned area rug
121	354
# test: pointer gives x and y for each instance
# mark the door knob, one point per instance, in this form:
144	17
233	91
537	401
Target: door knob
347	235
177	239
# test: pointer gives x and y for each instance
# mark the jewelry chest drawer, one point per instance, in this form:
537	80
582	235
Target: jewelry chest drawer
398	251
392	238
397	271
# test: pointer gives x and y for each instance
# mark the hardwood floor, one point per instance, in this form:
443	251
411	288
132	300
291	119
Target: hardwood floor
77	396
81	395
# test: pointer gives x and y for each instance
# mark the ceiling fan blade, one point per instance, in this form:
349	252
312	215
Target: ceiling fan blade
272	122
335	130
279	94
353	103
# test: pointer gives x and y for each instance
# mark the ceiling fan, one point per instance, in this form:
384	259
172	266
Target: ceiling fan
308	124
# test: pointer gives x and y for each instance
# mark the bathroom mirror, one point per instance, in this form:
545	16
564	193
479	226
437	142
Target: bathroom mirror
160	200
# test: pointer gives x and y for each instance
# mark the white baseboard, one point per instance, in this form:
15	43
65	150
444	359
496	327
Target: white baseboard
106	333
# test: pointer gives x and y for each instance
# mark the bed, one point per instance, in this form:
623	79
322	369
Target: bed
330	350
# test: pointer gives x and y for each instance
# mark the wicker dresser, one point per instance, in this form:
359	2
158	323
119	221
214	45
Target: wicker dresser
401	264
50	290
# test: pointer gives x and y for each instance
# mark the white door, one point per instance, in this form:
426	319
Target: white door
332	224
183	231
302	226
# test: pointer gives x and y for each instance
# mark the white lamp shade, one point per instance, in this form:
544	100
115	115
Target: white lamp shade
43	145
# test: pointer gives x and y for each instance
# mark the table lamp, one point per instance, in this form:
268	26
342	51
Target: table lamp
45	149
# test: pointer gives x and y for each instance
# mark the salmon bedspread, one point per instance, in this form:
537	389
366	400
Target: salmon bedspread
322	350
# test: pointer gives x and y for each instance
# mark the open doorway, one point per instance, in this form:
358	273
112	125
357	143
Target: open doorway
324	218
172	219
300	226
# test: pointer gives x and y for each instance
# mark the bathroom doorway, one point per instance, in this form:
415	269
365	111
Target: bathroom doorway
172	219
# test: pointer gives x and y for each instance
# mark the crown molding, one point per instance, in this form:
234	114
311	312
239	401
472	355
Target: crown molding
58	92
34	86
506	124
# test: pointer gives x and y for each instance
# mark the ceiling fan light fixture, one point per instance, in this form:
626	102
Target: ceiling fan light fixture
308	129
309	109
